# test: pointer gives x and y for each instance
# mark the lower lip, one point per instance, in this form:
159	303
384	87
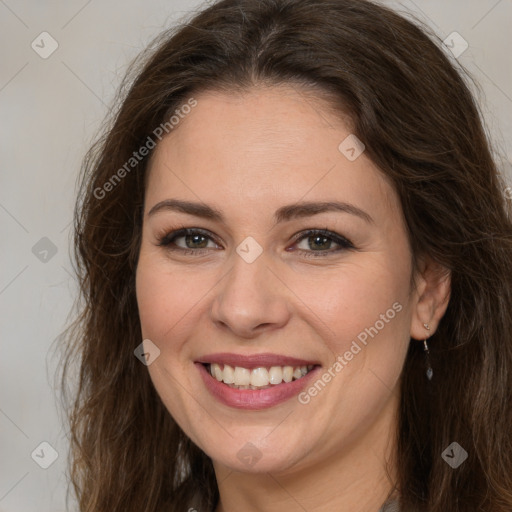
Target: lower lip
252	399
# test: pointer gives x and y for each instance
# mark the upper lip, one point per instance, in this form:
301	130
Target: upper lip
254	361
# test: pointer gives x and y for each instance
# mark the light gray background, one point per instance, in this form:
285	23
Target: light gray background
51	110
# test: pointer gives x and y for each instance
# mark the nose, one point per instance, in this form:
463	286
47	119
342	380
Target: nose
250	299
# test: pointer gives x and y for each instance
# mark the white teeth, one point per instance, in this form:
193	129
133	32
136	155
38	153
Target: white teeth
258	378
287	373
218	374
275	375
242	376
228	374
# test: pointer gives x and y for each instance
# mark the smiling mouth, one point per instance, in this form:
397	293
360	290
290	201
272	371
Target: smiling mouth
258	378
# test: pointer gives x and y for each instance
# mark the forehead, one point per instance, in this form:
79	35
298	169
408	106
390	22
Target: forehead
268	145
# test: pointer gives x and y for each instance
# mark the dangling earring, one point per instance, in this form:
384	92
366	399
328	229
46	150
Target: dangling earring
430	372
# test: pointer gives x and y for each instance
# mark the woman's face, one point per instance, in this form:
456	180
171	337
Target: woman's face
257	169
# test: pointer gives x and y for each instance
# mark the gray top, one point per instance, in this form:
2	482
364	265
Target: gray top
390	506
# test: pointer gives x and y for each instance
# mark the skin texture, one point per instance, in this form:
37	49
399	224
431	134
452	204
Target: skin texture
248	155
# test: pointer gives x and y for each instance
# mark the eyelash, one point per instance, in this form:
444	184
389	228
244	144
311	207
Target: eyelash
168	239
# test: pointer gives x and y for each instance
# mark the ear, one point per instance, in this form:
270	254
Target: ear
431	297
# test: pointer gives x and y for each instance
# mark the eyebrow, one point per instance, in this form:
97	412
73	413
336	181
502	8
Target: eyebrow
285	213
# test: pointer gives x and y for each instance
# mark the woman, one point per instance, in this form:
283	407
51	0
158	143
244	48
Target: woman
294	252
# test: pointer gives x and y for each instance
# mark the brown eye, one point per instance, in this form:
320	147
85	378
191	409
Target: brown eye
187	240
194	241
321	242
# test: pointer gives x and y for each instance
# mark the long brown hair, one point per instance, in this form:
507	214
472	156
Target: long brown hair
421	126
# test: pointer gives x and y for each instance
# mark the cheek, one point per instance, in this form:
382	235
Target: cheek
164	298
167	302
365	312
353	297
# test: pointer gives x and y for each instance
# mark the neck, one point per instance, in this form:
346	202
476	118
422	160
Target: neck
355	478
